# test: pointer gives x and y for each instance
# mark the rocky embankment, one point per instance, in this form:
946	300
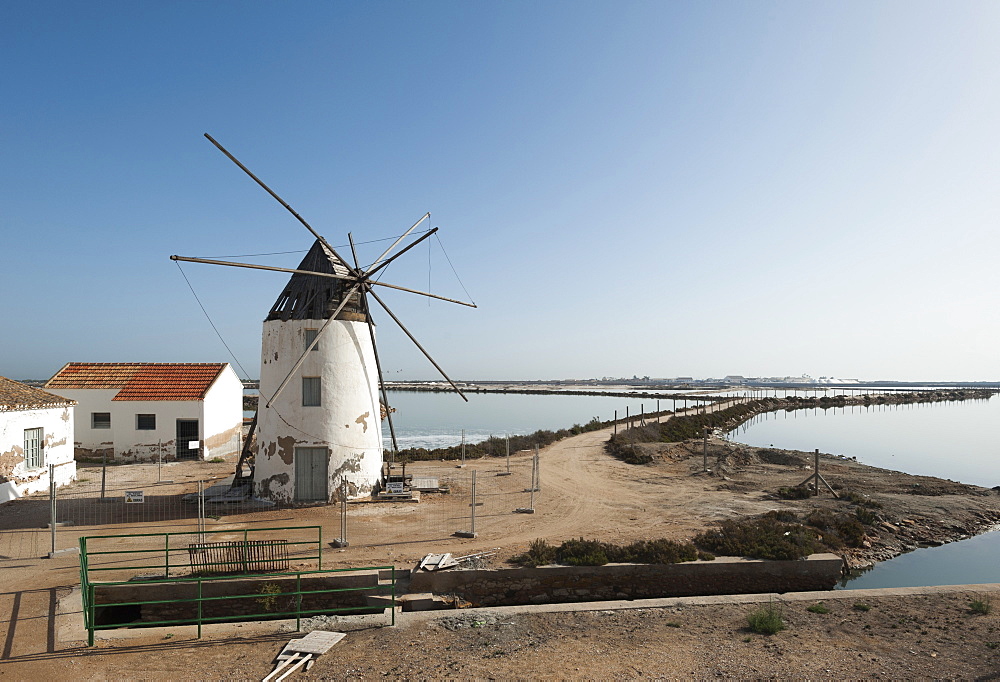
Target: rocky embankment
891	512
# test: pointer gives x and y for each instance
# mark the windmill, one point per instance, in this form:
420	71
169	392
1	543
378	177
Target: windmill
327	438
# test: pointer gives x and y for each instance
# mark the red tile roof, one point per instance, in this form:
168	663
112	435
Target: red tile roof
141	380
17	396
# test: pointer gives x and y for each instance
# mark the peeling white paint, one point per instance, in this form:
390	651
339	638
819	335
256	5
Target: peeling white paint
345	363
16	479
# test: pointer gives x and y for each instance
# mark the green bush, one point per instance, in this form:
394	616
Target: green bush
818	608
866	516
798	492
765	537
837	528
583	552
766	620
981	607
540	553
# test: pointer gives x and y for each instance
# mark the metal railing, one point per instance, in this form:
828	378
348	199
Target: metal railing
86	552
266	599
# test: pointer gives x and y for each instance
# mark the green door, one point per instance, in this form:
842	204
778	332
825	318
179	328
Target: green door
310	474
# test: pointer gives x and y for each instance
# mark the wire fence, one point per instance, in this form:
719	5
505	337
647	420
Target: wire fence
197	497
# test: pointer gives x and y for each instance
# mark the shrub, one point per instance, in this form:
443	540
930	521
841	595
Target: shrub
798	492
818	608
865	515
981	607
583	552
765	537
837	528
861	606
540	553
766	620
269	596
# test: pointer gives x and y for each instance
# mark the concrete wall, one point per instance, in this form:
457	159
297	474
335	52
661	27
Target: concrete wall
365	582
560	584
348	422
57	448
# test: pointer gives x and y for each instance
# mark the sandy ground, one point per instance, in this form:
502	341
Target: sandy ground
584	492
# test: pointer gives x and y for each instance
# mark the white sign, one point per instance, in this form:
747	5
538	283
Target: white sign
134	497
194	444
394	487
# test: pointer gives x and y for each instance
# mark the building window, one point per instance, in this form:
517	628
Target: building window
311	391
145	422
100	420
311	335
34	456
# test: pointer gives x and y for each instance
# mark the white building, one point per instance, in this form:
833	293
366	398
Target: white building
143	411
36	430
324	429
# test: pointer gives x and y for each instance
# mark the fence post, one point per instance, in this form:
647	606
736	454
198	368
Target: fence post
52	504
159	459
92	613
298	602
166	551
534	475
199	608
704	453
473	528
463	447
104	471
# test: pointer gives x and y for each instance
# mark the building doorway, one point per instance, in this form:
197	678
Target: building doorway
310	474
187	439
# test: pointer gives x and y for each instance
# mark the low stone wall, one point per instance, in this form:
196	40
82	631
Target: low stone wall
561	584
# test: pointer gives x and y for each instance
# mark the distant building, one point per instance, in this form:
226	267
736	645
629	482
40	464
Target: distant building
144	411
36	430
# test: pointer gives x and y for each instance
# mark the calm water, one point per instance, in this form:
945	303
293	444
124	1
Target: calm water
434	420
947	440
976	560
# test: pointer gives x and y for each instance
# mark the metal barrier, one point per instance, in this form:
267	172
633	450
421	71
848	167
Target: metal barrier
86	552
271	593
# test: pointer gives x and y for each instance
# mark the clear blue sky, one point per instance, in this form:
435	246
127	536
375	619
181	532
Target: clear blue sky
653	188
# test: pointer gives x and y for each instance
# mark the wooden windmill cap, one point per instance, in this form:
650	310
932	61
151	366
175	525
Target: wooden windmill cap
309	297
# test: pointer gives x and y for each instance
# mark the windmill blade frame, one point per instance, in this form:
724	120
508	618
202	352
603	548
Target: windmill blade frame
281	201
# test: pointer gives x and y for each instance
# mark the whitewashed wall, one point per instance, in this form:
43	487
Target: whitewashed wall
223	416
348	422
220	418
90	442
57	428
133	445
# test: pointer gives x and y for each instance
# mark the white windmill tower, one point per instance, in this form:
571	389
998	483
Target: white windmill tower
319	420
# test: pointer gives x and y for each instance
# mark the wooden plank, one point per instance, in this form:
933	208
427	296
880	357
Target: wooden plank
316	642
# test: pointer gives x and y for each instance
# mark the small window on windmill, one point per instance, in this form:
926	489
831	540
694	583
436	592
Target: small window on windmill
311	335
311	391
